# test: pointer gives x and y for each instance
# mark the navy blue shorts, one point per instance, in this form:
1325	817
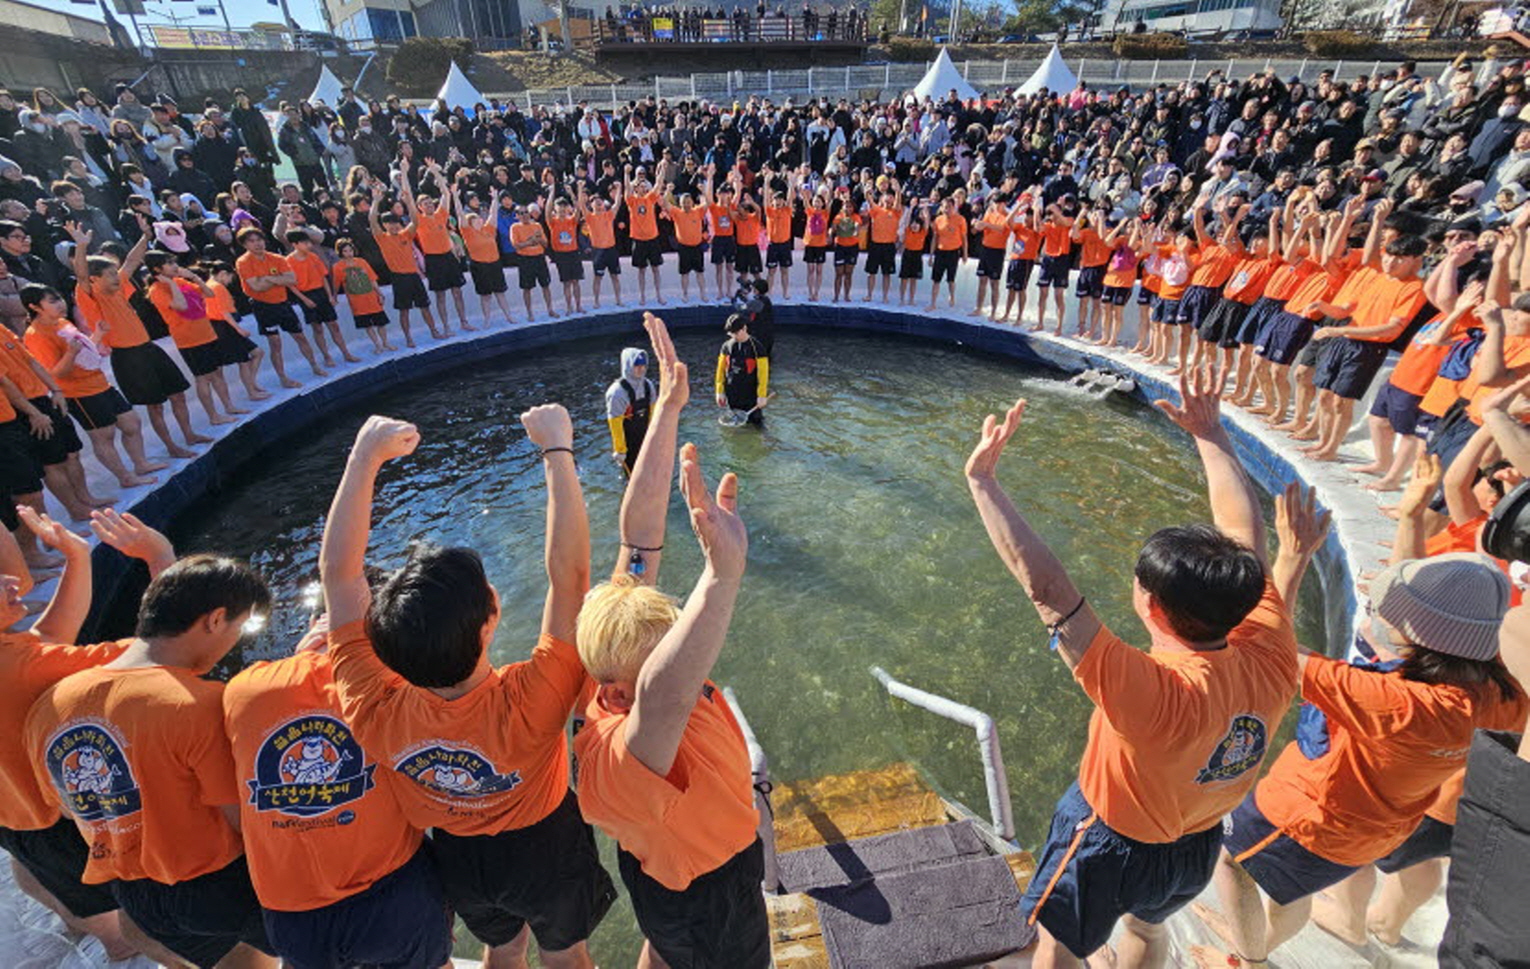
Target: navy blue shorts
1224	320
408	294
943	266
1285	870
606	261
990	262
1430	840
402	921
1019	273
1399	407
1116	295
723	249
882	258
1145	296
1054	271
201	919
1091	282
1165	310
1284	338
322	310
1088	876
779	255
1346	367
1197	304
1263	310
646	252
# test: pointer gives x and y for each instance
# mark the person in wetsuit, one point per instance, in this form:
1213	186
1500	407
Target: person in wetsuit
628	402
743	370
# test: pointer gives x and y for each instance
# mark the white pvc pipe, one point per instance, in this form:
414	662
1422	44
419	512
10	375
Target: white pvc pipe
982	724
759	765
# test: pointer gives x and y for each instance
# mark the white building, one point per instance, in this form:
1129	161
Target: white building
1195	16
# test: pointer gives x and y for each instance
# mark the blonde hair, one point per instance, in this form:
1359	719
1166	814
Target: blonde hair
620	624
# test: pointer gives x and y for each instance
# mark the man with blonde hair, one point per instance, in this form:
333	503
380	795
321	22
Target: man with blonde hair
664	769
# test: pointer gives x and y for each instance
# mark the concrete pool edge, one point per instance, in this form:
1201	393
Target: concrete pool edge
1352	544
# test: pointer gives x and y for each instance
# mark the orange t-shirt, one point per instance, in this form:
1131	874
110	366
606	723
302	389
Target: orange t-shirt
308	268
1177	738
1285	280
186	331
563	234
123	327
1093	251
686	824
1319	286
950	232
28	667
1027	242
602	228
482	243
1392	743
778	223
1247	282
16	363
815	234
1516	356
48	348
1393	303
722	220
1215	266
434	232
1056	239
139	758
746	227
364	299
688	230
320	821
1122	276
884	224
644	210
250	266
1173	291
1420	363
221	306
398	251
1505	716
491	760
915	238
522	233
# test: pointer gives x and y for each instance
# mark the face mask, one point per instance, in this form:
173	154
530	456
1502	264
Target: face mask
1195	126
1379	633
366	129
1508	110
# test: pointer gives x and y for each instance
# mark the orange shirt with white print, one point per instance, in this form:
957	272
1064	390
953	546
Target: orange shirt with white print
124	328
48	347
482	243
434	232
644	210
688	228
1419	366
186	330
1215	266
492	760
364	300
28	667
319	819
139	758
602	228
721	217
1177	737
1026	244
563	233
250	266
1285	280
682	825
778	222
1392	744
1248	280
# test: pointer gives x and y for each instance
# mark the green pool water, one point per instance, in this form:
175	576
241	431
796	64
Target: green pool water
865	548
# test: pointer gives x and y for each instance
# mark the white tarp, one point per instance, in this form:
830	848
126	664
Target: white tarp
328	88
1053	74
941	78
459	91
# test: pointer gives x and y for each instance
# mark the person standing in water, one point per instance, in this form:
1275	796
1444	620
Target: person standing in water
743	371
629	400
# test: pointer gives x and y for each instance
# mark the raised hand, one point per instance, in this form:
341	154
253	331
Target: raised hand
1427	474
984	460
125	533
720	531
549	426
381	439
52	534
1298	523
674	376
1199	412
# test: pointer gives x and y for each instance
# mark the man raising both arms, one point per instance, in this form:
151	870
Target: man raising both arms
1179	731
479	751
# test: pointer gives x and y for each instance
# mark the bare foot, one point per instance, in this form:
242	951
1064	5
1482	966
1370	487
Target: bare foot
1210	957
469	329
1385	484
352	359
238	410
180	453
408	343
291	384
136	480
149	467
198	439
91	501
1338	920
1102	958
1383	933
1372	469
388	347
217	421
258	394
1216	923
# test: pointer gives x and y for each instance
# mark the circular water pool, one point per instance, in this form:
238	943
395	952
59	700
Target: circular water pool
865	547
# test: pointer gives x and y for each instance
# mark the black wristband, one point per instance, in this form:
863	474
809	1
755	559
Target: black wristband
554	450
639	548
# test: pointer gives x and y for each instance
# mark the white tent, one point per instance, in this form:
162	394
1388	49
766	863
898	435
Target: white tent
1053	75
459	91
941	78
328	88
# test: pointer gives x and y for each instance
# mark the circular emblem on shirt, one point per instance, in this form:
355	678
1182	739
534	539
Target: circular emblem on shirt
456	772
309	766
92	775
1239	752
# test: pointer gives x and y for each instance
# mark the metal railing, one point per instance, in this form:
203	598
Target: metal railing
887	80
759	767
744	29
994	777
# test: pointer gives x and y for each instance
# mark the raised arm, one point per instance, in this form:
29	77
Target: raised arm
342	555
567	551
124	532
65	613
1301	529
1198	219
1026	555
134	257
645	505
1371	254
1234	505
1501	417
672	676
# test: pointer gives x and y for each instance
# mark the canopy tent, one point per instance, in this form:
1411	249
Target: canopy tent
941	78
1053	75
328	88
458	91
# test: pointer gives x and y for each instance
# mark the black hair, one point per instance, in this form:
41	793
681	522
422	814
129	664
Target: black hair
426	621
193	587
736	322
34	293
1205	582
247	233
1423	665
761	286
295	236
1407	246
154	260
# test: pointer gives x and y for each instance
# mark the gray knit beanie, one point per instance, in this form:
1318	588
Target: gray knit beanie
1452	604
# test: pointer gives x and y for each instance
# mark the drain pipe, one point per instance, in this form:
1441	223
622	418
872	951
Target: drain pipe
356	84
759	765
982	724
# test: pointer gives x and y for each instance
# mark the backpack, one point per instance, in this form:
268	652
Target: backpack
1457	364
357	282
1176	269
196	303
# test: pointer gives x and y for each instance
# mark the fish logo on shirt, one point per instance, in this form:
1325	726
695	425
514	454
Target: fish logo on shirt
1240	751
456	772
92	775
309	766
